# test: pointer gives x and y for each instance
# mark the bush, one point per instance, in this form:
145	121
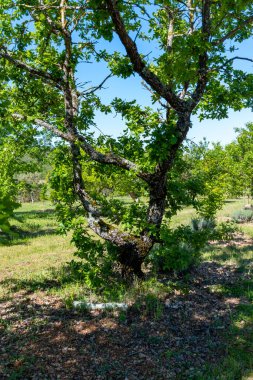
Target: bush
225	231
242	216
179	248
200	224
98	268
7	206
214	231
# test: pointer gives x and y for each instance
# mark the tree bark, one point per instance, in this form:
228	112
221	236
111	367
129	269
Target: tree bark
131	260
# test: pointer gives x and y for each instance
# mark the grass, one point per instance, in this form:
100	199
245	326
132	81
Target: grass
34	261
36	253
231	205
239	356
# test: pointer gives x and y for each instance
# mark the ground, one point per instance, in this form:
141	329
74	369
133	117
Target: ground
199	327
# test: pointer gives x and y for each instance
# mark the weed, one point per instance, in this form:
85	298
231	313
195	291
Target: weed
122	316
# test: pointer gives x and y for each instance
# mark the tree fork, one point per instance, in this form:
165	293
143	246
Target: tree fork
132	250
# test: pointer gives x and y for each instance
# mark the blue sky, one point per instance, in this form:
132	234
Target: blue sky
132	88
223	130
220	130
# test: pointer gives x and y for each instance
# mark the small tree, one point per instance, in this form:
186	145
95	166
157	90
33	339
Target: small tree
240	156
8	185
41	48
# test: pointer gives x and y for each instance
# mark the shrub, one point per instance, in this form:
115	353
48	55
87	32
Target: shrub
98	268
200	224
214	231
97	263
179	248
225	231
242	216
7	206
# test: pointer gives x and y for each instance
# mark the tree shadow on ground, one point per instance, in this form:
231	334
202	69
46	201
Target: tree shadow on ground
23	234
47	213
54	279
20	235
242	256
30	286
41	339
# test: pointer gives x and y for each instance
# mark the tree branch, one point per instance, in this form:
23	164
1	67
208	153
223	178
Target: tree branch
103	229
203	58
104	158
170	34
98	87
58	83
44	7
232	32
191	15
240	58
138	64
228	61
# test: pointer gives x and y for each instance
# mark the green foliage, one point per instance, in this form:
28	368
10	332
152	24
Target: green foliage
179	249
110	190
7	207
20	158
98	260
198	179
240	161
211	173
225	231
230	167
121	65
129	213
39	63
8	185
208	167
61	181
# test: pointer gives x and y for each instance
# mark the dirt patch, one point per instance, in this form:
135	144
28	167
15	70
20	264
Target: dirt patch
40	339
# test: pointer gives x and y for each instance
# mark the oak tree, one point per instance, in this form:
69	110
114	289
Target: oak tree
183	65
